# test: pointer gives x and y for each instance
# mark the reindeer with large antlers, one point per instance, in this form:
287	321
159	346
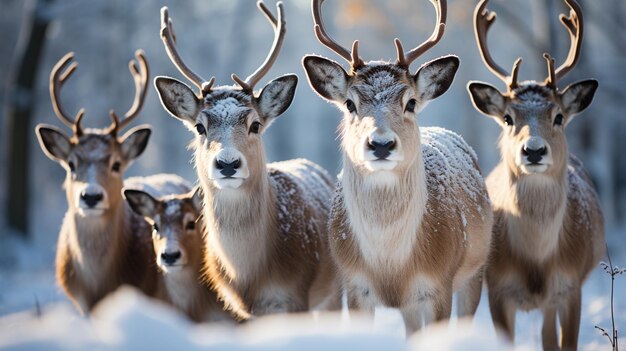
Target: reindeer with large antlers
99	246
266	236
548	226
411	220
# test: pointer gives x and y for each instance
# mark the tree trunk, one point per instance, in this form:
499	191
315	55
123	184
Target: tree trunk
20	105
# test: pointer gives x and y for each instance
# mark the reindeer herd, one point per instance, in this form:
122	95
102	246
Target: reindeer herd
409	222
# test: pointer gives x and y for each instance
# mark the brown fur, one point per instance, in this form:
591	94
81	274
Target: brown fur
411	227
548	229
294	238
182	286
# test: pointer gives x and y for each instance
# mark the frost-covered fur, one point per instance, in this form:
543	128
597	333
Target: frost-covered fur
548	226
410	228
177	228
266	234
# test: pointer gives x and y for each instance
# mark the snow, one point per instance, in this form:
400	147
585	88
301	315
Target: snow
129	321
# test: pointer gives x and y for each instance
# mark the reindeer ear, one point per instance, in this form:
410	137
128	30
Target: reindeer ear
576	97
196	198
435	77
275	97
54	143
487	99
141	202
134	142
327	78
178	99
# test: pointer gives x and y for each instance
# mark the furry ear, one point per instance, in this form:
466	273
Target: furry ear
177	98
487	99
327	78
141	202
134	142
275	97
576	97
54	143
196	198
435	77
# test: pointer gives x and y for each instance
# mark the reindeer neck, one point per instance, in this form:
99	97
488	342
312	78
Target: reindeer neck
385	218
241	226
96	243
539	196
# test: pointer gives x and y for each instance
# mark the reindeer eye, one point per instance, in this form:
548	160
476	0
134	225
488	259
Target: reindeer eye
410	106
200	129
116	166
155	227
254	128
508	120
558	120
191	226
350	106
72	166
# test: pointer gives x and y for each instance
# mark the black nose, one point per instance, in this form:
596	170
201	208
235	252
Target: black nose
170	257
228	169
381	151
91	199
534	155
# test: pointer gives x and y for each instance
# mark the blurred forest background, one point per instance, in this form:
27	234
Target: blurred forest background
219	37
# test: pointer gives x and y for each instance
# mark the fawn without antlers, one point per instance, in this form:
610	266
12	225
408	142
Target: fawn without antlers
548	226
179	253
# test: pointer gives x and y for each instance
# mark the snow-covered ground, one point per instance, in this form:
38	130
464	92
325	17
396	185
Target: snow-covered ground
35	315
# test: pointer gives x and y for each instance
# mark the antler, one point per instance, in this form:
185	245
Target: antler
279	36
140	71
574	25
320	32
483	19
63	69
169	40
405	60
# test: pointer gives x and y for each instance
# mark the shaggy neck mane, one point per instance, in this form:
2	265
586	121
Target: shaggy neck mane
539	196
238	224
386	215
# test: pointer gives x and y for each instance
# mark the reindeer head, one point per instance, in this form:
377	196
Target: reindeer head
176	233
380	100
228	120
533	115
95	159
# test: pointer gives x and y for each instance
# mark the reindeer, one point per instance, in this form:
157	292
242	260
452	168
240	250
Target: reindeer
548	226
98	248
411	220
179	253
266	236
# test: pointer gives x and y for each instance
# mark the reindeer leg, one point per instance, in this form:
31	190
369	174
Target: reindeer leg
569	316
548	331
469	295
502	314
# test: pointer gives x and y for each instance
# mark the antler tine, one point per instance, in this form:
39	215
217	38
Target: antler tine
77	128
483	19
574	25
551	80
404	60
167	36
63	69
279	36
321	34
140	75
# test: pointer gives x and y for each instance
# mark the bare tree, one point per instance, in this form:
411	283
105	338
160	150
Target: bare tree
20	106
